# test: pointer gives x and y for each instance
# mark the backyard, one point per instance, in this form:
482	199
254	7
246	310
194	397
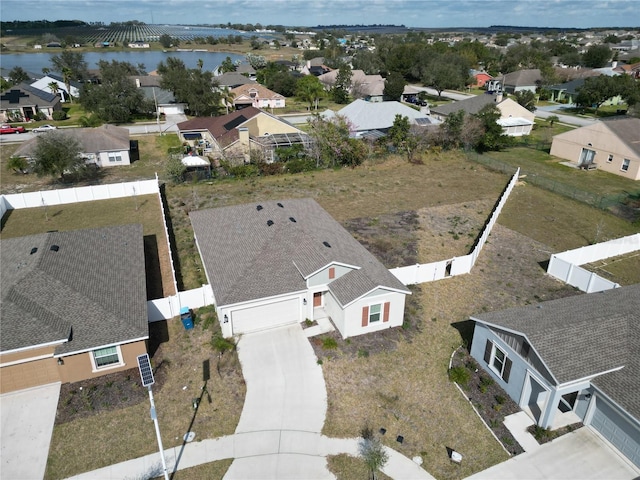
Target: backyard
396	380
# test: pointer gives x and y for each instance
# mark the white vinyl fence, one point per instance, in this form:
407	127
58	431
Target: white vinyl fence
430	272
169	307
565	266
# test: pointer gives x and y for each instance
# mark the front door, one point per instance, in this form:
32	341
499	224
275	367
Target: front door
317	299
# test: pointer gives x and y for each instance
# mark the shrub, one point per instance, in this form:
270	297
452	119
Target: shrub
59	115
460	375
329	343
270	168
500	399
221	344
299	165
362	352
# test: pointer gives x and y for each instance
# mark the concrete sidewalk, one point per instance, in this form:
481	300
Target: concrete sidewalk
282	455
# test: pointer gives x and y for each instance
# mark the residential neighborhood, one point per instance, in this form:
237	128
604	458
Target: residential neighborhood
330	251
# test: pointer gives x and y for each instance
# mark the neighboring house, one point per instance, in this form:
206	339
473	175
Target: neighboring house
515	120
373	120
632	69
567	92
255	95
612	145
481	78
569	360
163	99
45	82
236	135
74	305
24	102
520	80
138	44
278	263
104	146
315	67
233	80
369	87
247	70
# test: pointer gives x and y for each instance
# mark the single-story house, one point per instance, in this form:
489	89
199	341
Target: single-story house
629	69
74	305
104	146
376	118
23	102
528	79
315	67
567	92
515	120
45	82
570	360
245	69
163	99
369	87
481	78
255	95
277	263
613	145
236	135
233	80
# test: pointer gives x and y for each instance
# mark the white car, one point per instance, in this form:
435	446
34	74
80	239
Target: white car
44	128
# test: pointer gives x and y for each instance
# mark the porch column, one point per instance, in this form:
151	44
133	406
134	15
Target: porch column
546	419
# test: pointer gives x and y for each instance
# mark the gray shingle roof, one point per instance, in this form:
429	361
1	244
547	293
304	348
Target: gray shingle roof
627	129
24	95
89	293
247	259
585	335
522	78
92	140
378	115
471	105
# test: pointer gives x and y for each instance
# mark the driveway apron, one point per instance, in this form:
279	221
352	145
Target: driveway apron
27	425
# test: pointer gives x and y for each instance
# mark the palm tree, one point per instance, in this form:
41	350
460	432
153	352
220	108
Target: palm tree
309	89
66	78
200	63
227	97
54	87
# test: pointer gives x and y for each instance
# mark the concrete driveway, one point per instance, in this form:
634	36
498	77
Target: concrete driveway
285	385
581	454
27	420
285	392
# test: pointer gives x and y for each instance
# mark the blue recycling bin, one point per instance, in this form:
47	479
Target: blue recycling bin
186	317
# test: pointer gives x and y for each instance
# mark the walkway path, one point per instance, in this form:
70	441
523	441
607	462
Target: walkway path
278	435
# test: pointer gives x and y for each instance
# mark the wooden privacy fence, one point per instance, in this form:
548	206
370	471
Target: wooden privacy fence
430	272
565	266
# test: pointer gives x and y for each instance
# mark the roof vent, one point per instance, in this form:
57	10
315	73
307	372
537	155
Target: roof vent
33	250
259	207
269	223
292	219
280	205
54	248
326	244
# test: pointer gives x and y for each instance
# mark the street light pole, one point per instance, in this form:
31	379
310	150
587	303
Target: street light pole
154	417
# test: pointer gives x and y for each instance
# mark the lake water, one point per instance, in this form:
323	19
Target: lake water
35	62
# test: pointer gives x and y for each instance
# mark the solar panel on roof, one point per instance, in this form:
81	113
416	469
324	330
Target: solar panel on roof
146	374
235	122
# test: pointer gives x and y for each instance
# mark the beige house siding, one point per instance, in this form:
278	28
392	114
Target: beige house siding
509	108
610	151
264	124
29	374
80	366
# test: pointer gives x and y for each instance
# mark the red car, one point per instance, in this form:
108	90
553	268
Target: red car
5	128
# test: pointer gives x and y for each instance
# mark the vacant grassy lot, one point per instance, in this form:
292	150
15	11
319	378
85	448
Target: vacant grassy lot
178	358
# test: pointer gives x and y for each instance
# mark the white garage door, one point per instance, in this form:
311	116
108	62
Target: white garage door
617	430
266	316
172	110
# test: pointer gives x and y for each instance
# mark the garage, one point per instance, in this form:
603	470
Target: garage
617	430
269	315
173	110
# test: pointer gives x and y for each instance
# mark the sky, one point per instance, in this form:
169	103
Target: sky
411	13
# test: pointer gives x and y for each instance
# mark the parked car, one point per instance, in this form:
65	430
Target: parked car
44	128
5	128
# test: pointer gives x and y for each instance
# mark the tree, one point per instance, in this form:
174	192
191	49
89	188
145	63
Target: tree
54	87
191	86
333	145
372	452
309	89
526	99
256	61
227	97
116	99
342	85
595	91
200	63
165	40
17	164
596	56
493	138
446	72
394	86
553	119
175	169
72	61
18	75
227	65
58	155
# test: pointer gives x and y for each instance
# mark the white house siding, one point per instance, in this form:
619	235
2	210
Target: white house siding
322	277
352	324
103	159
